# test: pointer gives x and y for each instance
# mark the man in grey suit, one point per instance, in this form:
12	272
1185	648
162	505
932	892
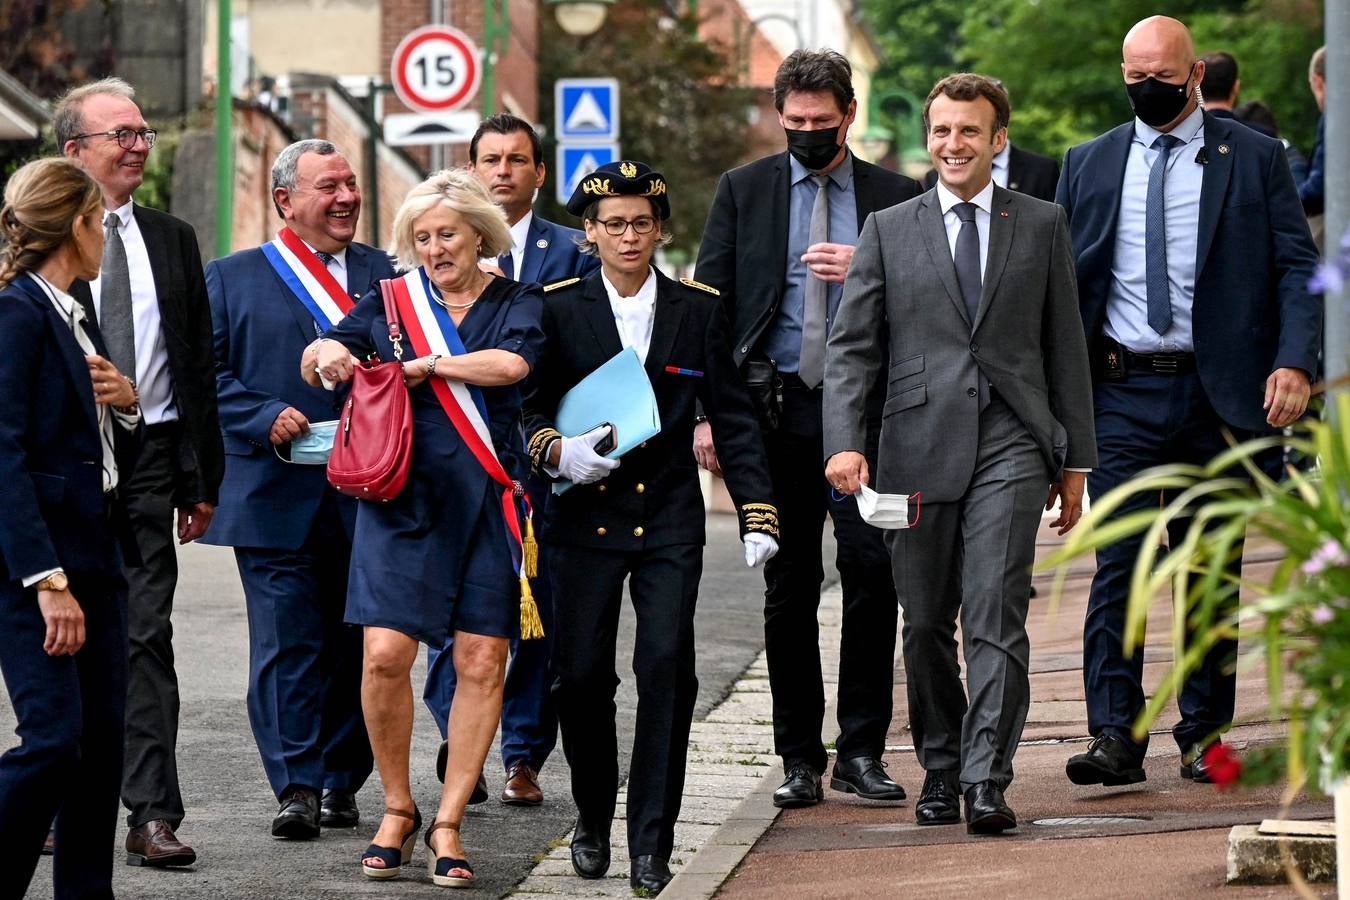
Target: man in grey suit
964	300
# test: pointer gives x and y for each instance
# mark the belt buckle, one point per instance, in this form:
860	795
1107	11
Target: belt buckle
1167	364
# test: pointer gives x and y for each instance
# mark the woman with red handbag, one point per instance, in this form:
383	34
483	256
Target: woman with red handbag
444	557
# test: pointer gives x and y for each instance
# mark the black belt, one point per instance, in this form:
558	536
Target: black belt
1161	363
793	382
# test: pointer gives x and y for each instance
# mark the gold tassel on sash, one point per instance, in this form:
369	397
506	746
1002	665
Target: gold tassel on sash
530	625
529	549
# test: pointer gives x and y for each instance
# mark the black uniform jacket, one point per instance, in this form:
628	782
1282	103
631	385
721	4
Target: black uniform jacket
653	498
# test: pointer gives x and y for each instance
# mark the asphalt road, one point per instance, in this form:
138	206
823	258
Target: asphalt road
229	805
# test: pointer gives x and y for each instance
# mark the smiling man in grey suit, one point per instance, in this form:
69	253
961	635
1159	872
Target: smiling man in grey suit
964	300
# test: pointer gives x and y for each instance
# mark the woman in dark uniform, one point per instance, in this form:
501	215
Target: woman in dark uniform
437	562
641	520
68	422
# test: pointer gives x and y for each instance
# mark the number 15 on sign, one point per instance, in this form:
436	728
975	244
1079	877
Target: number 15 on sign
435	69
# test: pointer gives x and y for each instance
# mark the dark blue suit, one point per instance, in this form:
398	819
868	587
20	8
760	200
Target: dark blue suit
529	723
291	532
1252	314
70	709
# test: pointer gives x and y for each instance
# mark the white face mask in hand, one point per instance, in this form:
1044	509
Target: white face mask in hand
886	510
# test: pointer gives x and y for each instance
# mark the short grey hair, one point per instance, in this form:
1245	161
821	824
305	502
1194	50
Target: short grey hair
68	117
460	190
288	161
1318	64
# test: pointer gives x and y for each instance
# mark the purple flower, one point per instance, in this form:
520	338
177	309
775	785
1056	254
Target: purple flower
1327	556
1322	615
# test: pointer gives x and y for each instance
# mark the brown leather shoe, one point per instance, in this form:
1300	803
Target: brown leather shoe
154	844
522	786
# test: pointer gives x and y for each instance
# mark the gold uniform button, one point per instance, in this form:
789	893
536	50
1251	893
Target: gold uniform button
637	532
602	488
602	531
642	446
640	488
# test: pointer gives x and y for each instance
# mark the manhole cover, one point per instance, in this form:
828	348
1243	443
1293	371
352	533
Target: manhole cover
1071	821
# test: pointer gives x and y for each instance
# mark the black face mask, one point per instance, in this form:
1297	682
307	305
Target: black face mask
1158	102
813	149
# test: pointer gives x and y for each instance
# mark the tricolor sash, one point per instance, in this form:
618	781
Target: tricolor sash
308	278
430	333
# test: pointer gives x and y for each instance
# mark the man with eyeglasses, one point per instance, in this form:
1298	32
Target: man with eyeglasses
150	303
638	519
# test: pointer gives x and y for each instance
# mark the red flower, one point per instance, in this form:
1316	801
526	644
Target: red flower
1224	766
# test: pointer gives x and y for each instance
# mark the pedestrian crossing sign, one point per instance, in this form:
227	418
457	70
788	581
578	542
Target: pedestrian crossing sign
586	110
575	162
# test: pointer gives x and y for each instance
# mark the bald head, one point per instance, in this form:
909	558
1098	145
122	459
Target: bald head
1161	48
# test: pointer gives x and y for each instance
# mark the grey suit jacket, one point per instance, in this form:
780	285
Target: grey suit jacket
902	318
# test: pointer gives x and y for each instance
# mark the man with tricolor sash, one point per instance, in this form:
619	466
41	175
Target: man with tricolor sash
291	531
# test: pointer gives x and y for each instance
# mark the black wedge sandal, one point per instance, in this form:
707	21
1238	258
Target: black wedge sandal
440	867
394	858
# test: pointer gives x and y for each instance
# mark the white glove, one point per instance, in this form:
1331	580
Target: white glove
579	463
759	549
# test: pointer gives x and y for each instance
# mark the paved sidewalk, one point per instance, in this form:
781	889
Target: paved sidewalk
1163	838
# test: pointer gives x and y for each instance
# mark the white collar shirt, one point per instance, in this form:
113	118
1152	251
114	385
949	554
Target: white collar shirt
153	379
635	315
984	203
1001	164
519	233
337	266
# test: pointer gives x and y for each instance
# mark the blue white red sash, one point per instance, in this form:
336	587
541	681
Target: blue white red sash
308	278
429	334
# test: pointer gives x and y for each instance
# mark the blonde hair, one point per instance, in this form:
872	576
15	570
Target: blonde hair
42	202
461	191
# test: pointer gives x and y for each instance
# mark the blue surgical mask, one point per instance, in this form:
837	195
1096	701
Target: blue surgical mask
314	448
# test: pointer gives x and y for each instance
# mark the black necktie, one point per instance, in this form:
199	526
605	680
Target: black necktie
967	259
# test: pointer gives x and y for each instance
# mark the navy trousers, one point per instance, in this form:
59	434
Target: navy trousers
68	765
1148	419
304	680
529	722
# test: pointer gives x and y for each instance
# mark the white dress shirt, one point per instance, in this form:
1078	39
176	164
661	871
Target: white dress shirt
519	233
1127	301
635	315
337	266
984	203
154	381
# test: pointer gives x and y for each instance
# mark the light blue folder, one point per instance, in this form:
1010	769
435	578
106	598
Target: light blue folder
618	393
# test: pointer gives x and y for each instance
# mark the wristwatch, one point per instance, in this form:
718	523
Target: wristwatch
57	581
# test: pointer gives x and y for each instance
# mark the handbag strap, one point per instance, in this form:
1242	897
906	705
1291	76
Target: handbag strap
391	316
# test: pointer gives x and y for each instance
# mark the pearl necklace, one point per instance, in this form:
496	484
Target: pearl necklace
436	295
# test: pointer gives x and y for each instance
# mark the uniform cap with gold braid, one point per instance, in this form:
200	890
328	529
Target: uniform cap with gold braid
625	178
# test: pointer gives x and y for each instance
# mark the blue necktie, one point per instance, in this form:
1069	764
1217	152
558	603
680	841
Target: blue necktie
507	263
324	258
1155	239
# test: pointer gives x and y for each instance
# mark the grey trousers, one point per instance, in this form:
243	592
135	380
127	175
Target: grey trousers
972	558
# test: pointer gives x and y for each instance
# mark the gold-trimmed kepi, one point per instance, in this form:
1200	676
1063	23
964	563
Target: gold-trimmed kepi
625	178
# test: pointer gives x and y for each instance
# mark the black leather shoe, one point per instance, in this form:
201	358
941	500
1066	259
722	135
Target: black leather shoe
480	793
940	801
1194	766
338	809
298	818
800	788
866	777
1108	761
986	811
649	873
590	848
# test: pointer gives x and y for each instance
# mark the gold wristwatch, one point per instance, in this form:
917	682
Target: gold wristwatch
57	581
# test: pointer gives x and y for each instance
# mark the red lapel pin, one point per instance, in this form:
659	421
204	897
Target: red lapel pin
1004	214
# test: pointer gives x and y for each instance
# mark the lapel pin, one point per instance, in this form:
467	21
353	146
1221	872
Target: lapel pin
1223	149
1004	213
542	244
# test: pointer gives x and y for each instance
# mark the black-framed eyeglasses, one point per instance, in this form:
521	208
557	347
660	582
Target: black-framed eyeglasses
616	227
125	137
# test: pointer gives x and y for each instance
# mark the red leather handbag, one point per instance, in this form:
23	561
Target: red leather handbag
372	451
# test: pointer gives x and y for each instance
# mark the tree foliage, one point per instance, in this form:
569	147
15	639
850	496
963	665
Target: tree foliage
1060	58
680	109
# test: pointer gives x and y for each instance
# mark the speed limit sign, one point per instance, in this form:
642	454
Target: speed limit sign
436	69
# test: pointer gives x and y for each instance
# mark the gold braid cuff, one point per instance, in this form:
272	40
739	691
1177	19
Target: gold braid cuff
539	442
761	517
